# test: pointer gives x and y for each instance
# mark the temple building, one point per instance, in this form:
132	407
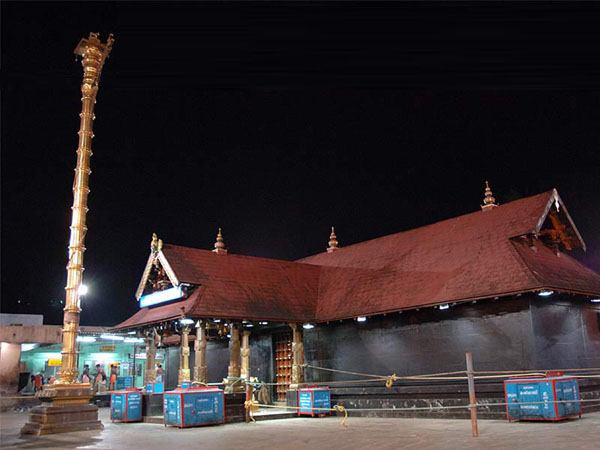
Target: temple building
498	282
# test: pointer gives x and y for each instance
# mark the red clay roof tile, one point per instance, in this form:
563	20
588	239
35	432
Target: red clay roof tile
464	258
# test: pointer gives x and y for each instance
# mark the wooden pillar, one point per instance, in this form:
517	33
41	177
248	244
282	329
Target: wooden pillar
150	372
200	373
245	371
297	356
232	383
472	398
184	359
234	351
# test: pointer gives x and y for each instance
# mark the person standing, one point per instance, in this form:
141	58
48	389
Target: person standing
159	372
113	377
85	376
38	380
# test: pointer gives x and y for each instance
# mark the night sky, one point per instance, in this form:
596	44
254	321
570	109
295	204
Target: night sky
277	120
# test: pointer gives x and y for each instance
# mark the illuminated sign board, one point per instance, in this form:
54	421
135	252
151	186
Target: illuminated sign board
161	296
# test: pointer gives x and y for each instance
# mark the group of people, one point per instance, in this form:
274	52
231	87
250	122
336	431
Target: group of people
99	379
36	383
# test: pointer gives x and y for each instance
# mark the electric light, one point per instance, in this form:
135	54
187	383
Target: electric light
595	300
545	293
308	326
445	306
27	347
361	319
83	289
186	321
133	340
86	339
263	323
112	337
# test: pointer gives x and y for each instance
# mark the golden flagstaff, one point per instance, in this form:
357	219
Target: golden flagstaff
94	54
66	403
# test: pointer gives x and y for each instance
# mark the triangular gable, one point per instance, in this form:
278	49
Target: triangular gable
162	260
570	233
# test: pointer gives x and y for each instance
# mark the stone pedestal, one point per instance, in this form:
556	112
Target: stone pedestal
65	408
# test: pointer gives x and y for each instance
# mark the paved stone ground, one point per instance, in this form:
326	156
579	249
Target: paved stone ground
319	433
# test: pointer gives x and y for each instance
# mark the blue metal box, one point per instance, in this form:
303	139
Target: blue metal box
194	407
157	387
551	398
124	382
186	384
313	397
126	406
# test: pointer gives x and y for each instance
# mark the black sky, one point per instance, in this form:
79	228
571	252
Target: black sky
277	120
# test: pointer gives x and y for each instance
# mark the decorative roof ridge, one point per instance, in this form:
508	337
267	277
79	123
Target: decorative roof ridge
234	256
478	213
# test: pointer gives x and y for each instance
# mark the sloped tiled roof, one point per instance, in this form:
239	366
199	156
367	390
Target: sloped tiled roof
464	258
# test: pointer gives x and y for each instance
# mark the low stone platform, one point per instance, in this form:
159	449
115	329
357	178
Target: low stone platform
381	401
48	418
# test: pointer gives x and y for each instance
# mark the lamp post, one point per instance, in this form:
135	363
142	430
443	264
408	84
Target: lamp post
65	404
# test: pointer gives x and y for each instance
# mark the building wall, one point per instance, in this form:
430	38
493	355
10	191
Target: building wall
10	355
21	319
497	332
566	332
519	333
217	361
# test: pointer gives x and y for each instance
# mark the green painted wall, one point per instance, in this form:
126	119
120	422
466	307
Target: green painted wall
92	354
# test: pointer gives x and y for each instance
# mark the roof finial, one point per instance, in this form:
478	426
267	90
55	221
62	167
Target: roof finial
154	243
333	243
220	244
489	202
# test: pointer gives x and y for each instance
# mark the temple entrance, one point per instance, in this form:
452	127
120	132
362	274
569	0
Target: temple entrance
283	363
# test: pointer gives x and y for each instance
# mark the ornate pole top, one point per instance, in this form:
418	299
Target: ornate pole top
333	243
489	202
94	53
220	244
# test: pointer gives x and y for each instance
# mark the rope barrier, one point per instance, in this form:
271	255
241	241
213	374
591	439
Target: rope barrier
440	376
342	409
